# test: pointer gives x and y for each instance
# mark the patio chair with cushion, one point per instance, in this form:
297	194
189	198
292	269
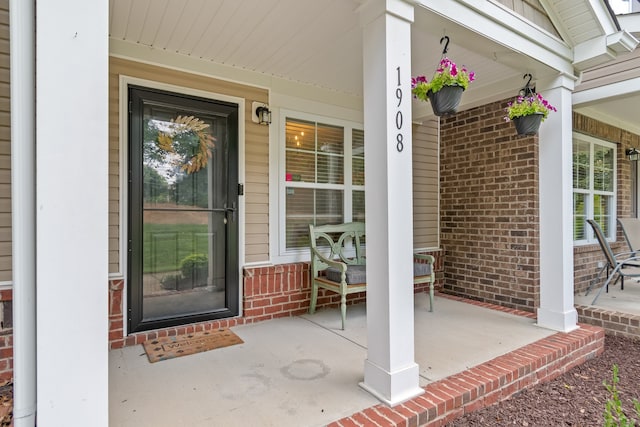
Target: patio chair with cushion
338	263
618	265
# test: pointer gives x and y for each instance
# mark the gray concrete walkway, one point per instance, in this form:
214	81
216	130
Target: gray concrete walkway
301	371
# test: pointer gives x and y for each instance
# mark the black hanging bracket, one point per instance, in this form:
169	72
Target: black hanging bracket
527	89
446	45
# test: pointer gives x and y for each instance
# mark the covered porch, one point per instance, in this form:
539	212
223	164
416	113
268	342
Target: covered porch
470	355
350	63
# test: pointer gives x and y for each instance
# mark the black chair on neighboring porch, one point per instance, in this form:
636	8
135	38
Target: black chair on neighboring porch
618	265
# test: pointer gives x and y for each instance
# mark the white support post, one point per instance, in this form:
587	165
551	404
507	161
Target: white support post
23	210
390	372
556	309
72	157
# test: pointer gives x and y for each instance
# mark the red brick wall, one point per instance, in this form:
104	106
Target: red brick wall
269	292
489	209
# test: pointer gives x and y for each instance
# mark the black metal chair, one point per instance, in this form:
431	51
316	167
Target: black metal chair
618	265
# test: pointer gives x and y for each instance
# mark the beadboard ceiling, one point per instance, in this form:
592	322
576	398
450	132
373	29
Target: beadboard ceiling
314	42
308	41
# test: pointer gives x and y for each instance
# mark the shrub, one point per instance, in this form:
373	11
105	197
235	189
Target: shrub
193	265
170	281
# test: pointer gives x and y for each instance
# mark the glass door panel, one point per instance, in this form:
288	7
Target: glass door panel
183	258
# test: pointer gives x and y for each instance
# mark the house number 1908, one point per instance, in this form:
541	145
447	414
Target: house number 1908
399	137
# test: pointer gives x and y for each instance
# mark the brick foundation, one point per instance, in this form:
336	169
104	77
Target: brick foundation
269	292
614	323
6	335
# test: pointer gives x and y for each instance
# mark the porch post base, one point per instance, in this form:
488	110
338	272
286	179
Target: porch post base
565	321
391	388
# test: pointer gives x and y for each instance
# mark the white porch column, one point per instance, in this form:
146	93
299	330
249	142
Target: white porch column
390	372
23	210
72	156
556	309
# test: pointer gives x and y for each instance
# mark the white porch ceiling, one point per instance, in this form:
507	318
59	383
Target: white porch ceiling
308	41
313	42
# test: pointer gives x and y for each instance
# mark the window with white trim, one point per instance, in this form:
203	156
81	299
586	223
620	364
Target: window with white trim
594	187
323	180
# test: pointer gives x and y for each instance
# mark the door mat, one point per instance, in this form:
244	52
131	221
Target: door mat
182	345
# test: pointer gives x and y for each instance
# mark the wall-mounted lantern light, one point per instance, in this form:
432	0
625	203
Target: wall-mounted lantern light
260	113
632	154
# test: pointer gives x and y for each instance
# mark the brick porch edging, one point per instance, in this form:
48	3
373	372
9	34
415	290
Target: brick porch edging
487	383
614	322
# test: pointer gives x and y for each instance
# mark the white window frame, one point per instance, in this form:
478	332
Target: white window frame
302	254
591	239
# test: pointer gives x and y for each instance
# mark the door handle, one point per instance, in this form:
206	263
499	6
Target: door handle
232	209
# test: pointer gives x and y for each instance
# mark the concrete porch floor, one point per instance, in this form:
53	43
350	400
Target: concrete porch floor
617	311
623	301
304	371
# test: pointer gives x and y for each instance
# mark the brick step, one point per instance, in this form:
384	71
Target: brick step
487	383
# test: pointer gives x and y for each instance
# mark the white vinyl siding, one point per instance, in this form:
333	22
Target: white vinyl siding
426	185
5	147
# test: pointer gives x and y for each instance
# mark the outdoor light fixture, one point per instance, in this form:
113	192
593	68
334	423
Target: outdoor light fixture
260	113
264	115
632	154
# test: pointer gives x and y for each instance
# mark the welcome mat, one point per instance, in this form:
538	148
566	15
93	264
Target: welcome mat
182	345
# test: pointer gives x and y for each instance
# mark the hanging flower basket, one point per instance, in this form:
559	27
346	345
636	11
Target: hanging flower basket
528	125
445	101
527	112
444	91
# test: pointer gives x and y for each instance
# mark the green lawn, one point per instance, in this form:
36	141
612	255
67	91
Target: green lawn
165	245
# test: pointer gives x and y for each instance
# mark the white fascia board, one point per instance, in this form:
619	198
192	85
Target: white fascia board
608	92
591	53
630	22
506	28
600	50
149	55
622	41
